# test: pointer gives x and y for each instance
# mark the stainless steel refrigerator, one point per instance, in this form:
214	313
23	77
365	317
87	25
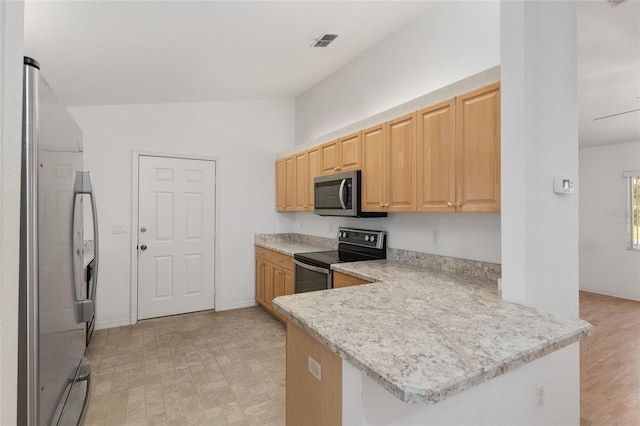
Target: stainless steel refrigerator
54	378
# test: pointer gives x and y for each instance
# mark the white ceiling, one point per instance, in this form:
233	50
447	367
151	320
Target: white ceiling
127	52
608	72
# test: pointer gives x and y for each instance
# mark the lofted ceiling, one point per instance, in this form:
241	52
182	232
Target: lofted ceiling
608	72
128	52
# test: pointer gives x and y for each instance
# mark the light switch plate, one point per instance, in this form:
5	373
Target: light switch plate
119	228
315	368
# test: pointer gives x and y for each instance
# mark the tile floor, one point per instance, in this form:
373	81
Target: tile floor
211	368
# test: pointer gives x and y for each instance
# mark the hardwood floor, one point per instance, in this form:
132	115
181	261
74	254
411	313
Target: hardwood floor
610	361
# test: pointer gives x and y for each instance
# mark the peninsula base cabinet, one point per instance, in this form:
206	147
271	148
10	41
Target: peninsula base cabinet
346	395
274	277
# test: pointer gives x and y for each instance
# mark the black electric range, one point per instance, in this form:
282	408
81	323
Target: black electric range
313	269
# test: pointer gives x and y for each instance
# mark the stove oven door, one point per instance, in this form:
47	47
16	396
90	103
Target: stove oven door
311	278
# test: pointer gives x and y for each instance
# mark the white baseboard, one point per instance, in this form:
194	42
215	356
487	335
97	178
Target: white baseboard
610	293
236	305
112	323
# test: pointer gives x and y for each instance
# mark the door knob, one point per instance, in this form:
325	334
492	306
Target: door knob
143	229
143	247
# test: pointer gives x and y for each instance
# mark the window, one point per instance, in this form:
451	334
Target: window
633	189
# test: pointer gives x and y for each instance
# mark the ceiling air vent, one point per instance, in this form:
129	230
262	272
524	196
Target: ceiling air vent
324	40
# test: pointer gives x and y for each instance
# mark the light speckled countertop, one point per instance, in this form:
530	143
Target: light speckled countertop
421	333
291	244
425	334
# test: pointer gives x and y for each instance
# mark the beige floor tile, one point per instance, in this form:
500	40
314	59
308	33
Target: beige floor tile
209	368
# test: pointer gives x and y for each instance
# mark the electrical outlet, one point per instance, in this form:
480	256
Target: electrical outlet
315	368
540	395
435	237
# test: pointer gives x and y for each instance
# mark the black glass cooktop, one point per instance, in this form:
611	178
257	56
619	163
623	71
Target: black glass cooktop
324	259
321	259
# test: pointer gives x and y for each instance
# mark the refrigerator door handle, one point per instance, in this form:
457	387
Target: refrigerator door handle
85	307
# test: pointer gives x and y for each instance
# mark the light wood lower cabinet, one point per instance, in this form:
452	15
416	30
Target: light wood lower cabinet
312	400
274	277
343	280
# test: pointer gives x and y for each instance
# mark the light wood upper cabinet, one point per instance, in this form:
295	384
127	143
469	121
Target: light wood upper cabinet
349	152
313	170
443	158
374	170
401	168
302	175
290	179
329	157
306	169
436	151
459	154
341	155
281	185
478	150
389	166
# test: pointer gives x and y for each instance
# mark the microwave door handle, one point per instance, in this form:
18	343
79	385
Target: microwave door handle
341	192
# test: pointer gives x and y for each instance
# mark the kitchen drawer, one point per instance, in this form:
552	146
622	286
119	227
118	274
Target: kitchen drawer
274	257
282	260
264	254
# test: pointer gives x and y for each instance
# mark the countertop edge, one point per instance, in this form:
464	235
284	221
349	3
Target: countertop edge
462	383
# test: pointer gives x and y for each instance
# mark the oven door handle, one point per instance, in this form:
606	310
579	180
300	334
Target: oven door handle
311	267
341	192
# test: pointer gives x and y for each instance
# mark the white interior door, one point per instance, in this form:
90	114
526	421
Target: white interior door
176	216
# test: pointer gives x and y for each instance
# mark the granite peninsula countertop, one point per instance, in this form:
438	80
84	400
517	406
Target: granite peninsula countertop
425	334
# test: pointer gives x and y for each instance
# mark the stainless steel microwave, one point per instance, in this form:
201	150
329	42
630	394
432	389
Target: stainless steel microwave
339	195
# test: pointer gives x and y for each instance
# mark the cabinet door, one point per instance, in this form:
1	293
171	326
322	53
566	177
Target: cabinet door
349	152
281	186
290	181
301	187
401	170
268	284
329	158
478	150
277	288
374	168
436	155
260	281
288	281
313	170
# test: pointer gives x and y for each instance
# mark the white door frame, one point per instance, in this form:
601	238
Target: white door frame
135	156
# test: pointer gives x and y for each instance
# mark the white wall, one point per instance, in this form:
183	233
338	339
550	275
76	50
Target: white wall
509	399
447	43
539	141
606	266
11	52
244	136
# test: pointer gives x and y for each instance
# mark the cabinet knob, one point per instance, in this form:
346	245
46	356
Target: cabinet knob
449	204
458	204
337	168
381	205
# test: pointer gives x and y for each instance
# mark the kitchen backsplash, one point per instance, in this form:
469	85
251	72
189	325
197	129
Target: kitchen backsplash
487	270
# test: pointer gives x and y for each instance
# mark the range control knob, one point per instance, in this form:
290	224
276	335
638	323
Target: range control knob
366	238
372	238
